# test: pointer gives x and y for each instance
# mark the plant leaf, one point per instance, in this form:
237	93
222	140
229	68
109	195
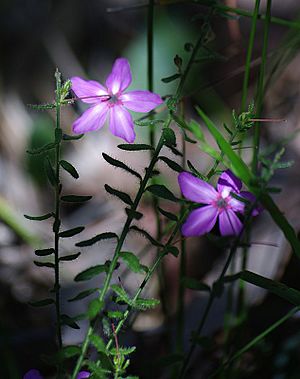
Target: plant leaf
67	137
169	137
119	164
70	257
169	215
162	191
44	252
97	238
133	214
144	304
69	168
43	149
135	147
172	164
131	261
41	303
83	294
44	264
75	198
279	289
194	284
71	232
121	293
121	195
90	273
147	235
171	78
95	307
69	321
39	218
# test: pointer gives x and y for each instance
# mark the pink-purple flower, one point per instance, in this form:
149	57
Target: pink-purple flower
220	205
112	101
35	374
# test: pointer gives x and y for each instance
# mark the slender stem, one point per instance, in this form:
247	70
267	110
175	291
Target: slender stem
57	209
260	87
214	293
150	273
249	55
255	340
115	258
182	265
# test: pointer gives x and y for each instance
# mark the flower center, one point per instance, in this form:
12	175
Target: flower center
113	100
221	203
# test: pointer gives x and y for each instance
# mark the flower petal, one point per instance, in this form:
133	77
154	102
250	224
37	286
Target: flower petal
200	221
229	223
196	189
140	101
249	196
33	374
228	182
88	90
236	205
120	77
83	375
121	123
92	119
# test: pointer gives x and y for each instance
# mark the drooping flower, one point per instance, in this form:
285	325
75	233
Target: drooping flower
112	101
220	205
35	374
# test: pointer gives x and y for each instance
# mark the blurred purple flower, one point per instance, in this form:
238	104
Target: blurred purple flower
113	101
220	204
35	374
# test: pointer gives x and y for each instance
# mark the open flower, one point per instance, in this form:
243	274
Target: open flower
112	101
35	374
220	204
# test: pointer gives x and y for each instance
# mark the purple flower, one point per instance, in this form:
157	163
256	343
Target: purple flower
35	374
113	101
220	204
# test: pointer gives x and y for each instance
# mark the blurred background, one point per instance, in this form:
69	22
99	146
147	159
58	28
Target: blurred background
83	38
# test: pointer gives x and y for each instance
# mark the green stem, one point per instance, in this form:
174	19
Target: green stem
57	208
150	273
255	340
115	258
249	55
213	294
260	87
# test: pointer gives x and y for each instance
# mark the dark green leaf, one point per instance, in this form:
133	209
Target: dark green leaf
41	303
44	252
169	215
122	295
172	164
69	168
147	235
69	321
122	350
41	107
90	273
144	304
67	352
71	232
75	198
121	195
194	284
175	151
171	78
95	307
98	342
43	149
131	261
148	122
83	294
172	250
195	171
162	191
70	257
39	218
279	289
135	147
119	164
50	172
97	238
133	214
44	264
115	314
169	137
67	137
